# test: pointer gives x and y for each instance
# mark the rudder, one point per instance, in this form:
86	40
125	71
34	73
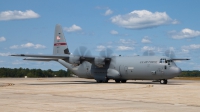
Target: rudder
60	45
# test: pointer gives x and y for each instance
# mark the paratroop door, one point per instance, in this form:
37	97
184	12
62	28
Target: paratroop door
122	70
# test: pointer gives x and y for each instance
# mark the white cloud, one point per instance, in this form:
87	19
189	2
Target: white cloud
39	46
4	54
73	28
191	47
2	39
28	45
140	19
145	48
101	48
14	47
128	41
184	50
108	12
124	48
121	45
114	32
187	49
146	40
13	15
185	33
126	44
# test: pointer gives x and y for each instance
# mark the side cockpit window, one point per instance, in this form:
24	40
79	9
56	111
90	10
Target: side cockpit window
169	62
163	60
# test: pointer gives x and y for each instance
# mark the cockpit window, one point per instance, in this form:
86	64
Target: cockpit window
163	60
169	61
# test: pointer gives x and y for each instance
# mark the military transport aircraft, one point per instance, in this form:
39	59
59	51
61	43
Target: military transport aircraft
105	67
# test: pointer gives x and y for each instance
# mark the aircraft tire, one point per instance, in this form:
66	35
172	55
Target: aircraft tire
105	81
117	81
166	81
123	81
163	81
99	81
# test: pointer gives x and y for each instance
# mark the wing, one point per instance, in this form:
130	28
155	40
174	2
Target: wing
35	57
178	59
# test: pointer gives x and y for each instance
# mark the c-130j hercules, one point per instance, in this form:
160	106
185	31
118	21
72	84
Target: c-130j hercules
105	67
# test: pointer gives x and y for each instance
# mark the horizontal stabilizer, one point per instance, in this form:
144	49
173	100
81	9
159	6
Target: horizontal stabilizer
37	57
43	56
40	59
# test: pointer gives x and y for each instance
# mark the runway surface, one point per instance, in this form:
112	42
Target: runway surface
76	94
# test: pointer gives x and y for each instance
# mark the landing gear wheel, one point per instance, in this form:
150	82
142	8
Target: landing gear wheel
99	81
163	81
117	81
105	81
123	81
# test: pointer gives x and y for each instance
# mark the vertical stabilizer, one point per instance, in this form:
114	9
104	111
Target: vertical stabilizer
60	45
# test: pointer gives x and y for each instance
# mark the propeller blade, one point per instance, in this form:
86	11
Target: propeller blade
76	53
149	53
107	53
169	53
82	51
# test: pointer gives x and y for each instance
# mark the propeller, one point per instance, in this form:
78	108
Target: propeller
82	51
170	53
148	53
106	53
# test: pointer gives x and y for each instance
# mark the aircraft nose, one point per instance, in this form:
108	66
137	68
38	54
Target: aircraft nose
176	71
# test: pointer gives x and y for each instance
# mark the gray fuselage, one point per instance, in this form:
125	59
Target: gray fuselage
130	68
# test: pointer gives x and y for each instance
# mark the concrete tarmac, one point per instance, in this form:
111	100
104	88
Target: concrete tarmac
76	94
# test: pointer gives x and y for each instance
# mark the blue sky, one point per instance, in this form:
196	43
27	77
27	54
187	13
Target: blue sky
127	27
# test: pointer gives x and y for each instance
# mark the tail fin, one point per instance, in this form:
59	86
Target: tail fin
60	45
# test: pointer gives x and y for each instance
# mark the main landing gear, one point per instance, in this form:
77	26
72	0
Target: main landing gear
163	81
122	81
102	81
106	81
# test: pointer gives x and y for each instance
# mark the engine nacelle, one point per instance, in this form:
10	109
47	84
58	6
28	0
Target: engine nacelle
99	61
112	73
74	60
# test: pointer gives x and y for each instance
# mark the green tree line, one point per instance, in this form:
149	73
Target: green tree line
22	72
194	73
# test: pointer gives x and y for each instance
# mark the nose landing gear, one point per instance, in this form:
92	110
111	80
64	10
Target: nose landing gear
163	81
